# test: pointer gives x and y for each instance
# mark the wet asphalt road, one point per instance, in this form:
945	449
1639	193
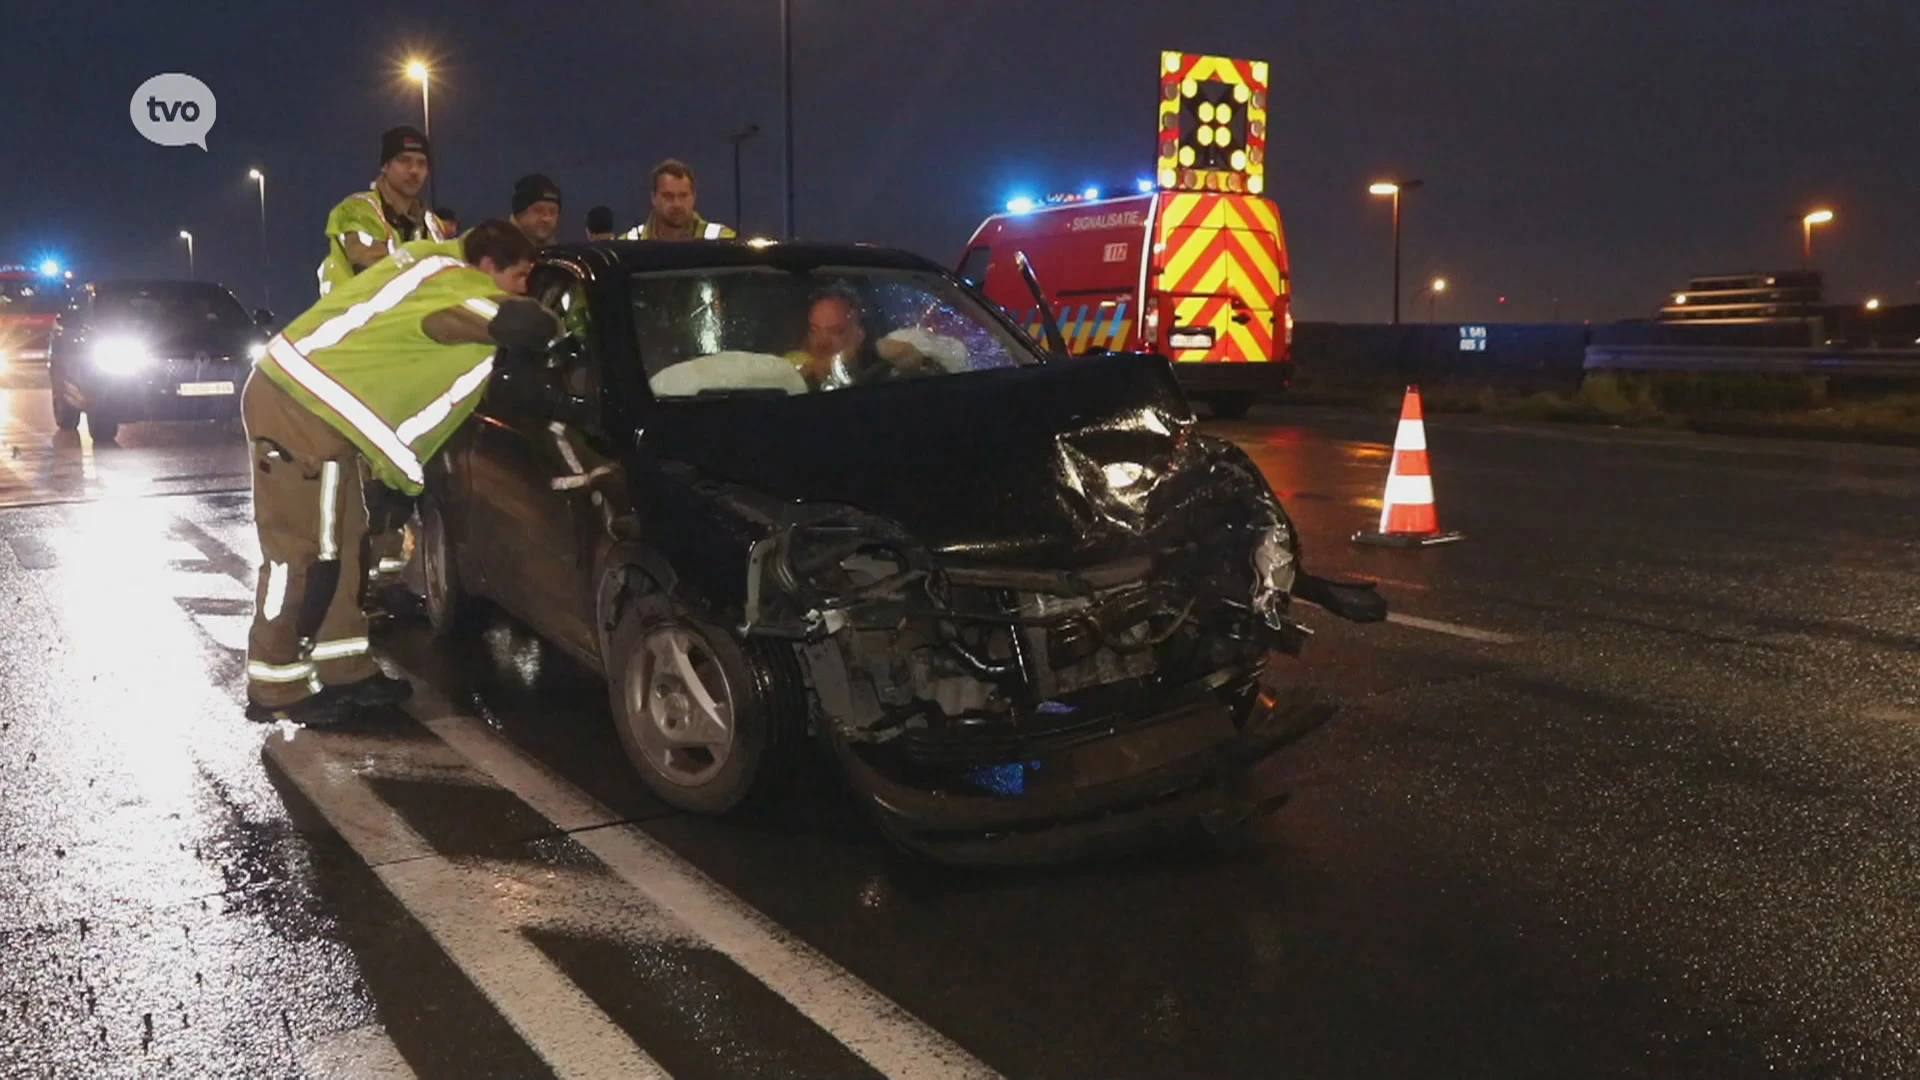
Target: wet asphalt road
1634	793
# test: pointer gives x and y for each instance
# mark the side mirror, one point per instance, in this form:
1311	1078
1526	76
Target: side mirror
262	317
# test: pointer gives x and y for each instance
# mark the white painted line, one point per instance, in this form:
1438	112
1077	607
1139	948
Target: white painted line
363	1053
454	904
1455	629
873	1027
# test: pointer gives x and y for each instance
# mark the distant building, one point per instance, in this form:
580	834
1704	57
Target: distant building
1727	299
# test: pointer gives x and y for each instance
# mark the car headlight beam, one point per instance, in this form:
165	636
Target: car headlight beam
122	356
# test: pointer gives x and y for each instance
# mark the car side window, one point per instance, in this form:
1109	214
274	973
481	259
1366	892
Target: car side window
973	268
577	351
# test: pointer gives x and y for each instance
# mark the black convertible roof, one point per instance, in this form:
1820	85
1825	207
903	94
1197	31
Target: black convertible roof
637	256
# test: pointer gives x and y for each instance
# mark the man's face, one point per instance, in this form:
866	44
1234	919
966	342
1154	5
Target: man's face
407	173
512	280
832	330
673	200
539	221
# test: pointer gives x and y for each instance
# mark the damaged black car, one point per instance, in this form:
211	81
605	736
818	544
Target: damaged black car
785	494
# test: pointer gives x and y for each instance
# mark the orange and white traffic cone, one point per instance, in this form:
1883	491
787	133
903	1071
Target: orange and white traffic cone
1407	517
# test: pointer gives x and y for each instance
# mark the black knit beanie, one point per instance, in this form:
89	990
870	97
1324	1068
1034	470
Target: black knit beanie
400	140
532	189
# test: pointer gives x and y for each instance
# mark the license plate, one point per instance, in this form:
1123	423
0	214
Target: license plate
205	389
1191	339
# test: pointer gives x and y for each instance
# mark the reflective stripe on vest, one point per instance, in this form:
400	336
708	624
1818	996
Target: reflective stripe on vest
437	410
292	358
714	232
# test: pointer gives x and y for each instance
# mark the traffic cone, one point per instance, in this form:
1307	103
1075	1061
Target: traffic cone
1407	517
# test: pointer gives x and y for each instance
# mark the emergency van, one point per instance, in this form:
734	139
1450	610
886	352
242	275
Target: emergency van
1191	265
30	304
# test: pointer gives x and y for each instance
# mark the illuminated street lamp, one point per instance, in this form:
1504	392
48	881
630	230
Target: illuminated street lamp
266	257
1818	217
1873	303
1394	188
188	237
417	71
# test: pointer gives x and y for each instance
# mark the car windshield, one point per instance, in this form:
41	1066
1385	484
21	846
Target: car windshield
21	297
170	306
769	330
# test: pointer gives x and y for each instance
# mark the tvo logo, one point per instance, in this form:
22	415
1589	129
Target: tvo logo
173	110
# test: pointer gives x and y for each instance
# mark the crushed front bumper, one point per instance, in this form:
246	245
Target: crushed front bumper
1148	782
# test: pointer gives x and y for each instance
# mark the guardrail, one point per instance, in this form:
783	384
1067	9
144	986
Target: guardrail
1863	363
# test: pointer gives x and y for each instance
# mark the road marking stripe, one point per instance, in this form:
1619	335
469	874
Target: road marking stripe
877	1030
553	1015
367	1053
1455	629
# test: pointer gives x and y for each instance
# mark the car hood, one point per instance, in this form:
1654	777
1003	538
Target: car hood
1060	465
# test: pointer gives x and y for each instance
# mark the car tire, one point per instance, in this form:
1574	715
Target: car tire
1230	406
672	739
451	611
65	417
103	429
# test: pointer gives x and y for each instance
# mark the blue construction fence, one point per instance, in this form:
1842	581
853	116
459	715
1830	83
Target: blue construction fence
1524	356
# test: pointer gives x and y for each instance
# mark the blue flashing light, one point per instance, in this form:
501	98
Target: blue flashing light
1019	204
50	268
1145	185
1091	194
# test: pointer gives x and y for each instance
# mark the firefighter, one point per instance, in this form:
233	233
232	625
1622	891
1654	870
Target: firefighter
383	369
536	208
367	226
674	217
362	229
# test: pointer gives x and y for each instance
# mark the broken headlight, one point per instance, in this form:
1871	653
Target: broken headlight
1274	566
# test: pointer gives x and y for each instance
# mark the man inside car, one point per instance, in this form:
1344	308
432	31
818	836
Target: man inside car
836	352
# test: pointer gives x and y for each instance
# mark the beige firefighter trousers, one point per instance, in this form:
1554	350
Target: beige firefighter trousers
309	630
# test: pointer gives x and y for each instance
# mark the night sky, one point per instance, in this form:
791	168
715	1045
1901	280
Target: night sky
1596	152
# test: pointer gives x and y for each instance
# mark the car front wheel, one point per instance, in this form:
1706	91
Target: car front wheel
65	417
451	611
697	713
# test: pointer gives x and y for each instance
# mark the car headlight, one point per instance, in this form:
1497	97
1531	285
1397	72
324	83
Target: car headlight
256	352
1274	568
122	356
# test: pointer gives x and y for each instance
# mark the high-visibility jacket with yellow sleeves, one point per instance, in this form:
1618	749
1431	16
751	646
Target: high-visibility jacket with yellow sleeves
701	229
363	216
361	361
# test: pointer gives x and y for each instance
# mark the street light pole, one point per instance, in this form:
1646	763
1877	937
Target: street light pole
1434	289
266	254
738	137
188	237
1817	217
786	97
1394	188
418	71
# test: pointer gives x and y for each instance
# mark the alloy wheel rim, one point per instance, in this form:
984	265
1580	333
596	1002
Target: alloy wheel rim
680	706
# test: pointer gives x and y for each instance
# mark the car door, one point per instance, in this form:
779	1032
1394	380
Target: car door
535	542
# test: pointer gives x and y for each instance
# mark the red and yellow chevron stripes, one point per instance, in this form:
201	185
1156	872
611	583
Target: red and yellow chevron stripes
1220	257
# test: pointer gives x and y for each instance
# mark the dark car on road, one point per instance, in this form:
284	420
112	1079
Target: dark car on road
1026	607
152	350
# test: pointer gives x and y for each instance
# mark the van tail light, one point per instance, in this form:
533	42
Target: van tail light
1150	327
1289	327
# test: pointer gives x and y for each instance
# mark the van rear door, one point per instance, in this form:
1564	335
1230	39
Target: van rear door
1220	278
